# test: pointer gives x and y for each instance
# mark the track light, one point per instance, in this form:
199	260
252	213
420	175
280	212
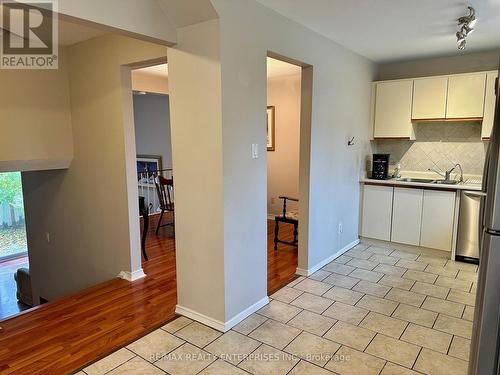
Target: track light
460	36
468	30
465	27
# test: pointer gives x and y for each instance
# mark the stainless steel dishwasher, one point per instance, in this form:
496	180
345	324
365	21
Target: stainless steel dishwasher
468	226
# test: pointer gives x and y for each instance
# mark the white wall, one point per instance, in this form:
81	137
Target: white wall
144	17
340	108
90	210
283	92
35	122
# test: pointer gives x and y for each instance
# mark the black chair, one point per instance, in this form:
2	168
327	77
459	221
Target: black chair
164	189
290	217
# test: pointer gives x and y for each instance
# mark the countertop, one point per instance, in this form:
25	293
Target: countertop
396	182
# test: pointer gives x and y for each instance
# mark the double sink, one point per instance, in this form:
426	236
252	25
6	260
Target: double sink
428	181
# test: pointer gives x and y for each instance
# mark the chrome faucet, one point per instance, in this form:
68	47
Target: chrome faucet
447	174
461	172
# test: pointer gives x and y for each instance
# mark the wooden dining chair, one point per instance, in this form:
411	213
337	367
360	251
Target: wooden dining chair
144	211
164	189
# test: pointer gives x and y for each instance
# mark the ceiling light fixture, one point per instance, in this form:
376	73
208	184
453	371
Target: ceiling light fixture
465	27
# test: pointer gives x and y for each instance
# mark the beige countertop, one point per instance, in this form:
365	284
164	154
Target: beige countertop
397	182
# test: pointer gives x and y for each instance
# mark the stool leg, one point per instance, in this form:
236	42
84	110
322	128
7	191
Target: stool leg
295	233
276	232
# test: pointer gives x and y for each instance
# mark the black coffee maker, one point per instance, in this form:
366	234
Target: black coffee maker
380	166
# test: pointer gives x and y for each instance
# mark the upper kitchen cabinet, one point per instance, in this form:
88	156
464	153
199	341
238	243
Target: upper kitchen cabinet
489	105
429	98
466	96
393	102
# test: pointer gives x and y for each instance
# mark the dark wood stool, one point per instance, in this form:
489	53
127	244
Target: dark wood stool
290	217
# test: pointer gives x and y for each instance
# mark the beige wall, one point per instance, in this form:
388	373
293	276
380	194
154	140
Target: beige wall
283	92
462	63
149	83
35	122
196	128
91	209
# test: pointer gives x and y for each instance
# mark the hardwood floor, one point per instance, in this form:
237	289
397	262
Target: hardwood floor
65	335
281	264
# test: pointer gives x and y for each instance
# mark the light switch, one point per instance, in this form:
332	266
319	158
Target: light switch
255	150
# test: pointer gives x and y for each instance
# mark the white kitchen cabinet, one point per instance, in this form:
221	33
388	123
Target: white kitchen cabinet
407	215
393	101
377	212
489	105
429	98
466	96
438	214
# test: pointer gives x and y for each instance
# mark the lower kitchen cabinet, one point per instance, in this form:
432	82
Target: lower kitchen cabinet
407	215
412	216
438	214
377	212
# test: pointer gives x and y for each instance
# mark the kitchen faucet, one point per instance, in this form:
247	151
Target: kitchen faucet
447	173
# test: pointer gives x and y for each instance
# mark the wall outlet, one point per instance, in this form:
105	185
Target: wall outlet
340	229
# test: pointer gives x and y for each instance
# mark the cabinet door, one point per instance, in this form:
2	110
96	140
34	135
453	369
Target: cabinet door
466	96
393	102
438	216
429	98
377	212
407	216
489	105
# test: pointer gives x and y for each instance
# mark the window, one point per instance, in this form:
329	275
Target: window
12	225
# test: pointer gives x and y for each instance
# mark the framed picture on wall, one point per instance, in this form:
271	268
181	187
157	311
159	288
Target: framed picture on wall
271	123
146	166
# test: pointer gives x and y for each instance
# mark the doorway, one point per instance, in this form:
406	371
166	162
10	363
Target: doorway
284	152
154	165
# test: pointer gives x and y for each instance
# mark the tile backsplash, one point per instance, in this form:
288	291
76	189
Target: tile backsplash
438	145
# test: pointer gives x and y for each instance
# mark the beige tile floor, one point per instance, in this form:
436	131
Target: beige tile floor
374	310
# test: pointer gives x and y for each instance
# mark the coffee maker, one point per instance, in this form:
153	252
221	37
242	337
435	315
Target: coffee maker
380	166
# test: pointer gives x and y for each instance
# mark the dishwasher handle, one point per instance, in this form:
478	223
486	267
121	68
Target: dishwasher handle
475	193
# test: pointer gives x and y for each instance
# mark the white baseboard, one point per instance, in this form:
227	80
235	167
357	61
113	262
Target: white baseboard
246	313
324	262
132	276
217	324
188	313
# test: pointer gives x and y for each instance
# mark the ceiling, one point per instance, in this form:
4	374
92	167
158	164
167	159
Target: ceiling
394	30
278	68
275	68
155	70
